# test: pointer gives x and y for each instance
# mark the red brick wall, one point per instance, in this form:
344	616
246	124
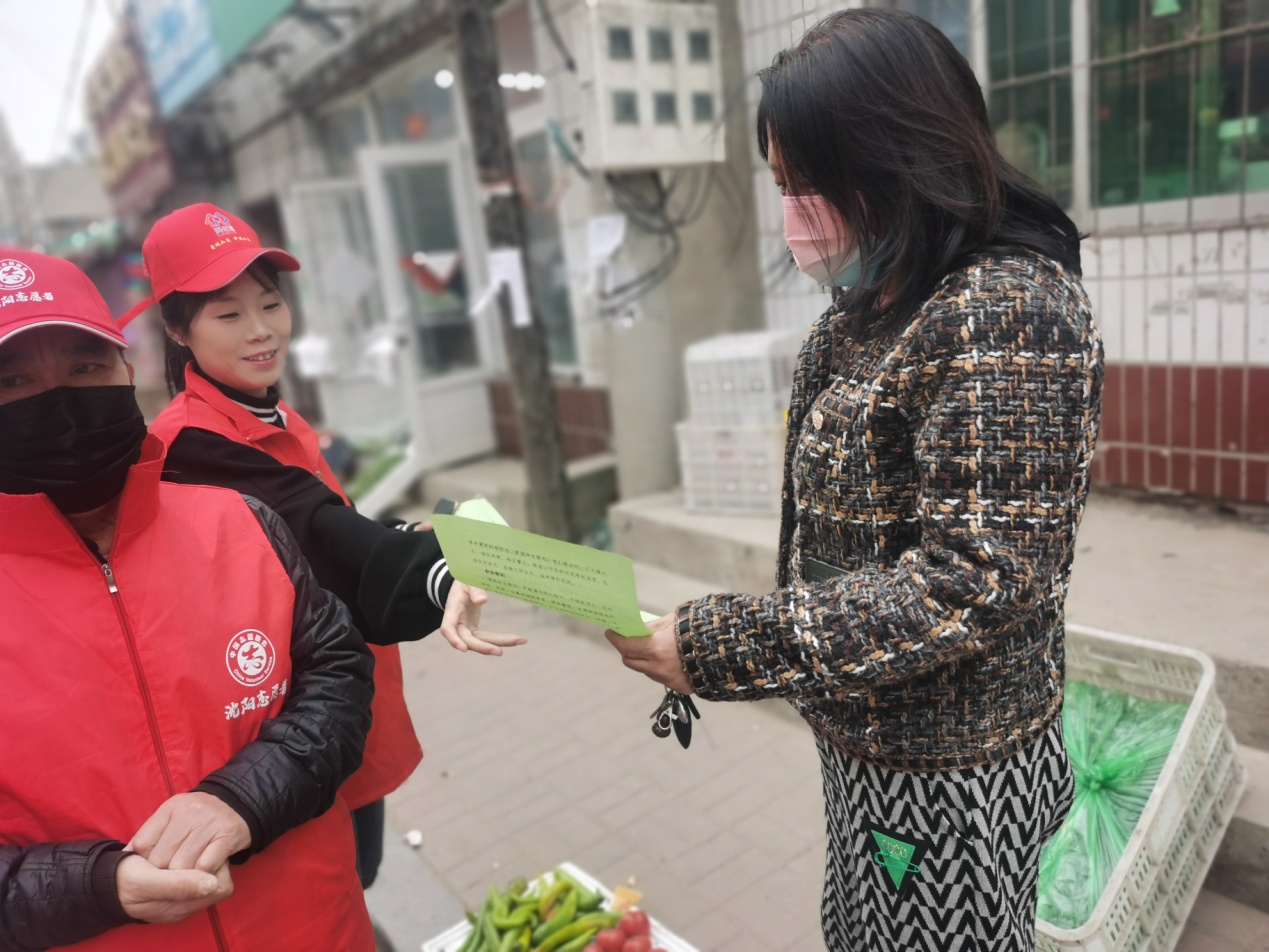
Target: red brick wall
1188	429
1185	319
583	415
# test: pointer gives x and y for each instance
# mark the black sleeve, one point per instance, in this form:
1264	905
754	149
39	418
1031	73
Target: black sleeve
291	771
58	893
394	582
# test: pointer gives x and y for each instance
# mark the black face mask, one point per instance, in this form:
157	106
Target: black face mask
74	444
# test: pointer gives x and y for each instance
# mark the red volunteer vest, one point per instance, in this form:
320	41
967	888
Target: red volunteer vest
392	748
115	702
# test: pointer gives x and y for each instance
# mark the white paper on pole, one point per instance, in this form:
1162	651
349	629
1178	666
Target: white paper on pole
379	359
313	356
505	269
604	235
346	276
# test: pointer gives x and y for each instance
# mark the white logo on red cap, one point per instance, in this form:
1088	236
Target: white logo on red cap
219	223
14	275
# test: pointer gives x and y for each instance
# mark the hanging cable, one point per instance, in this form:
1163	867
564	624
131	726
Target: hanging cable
77	61
552	28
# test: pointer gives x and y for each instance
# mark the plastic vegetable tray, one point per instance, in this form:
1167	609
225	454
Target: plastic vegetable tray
453	937
1155	883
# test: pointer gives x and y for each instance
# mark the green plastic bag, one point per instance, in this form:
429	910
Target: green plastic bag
1118	745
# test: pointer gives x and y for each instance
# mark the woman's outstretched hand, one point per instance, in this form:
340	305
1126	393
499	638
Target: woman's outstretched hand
657	656
462	618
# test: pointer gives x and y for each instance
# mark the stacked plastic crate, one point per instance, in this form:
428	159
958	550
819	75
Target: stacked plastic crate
731	447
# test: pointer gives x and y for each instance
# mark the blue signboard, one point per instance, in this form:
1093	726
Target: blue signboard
180	48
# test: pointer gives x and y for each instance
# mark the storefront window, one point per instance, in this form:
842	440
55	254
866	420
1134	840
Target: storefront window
545	250
341	133
950	16
1033	130
1029	98
432	266
415	109
1181	99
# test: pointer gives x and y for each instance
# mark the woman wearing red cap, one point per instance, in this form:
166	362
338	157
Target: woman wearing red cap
228	329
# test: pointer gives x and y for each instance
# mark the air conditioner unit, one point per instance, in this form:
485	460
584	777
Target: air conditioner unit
651	84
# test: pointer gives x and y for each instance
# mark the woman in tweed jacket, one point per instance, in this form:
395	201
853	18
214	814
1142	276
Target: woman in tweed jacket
939	436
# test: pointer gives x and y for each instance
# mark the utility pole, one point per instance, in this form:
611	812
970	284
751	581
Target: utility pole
549	508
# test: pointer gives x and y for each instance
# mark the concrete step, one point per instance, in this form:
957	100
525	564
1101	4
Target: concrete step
504	482
730	553
1218	924
661	591
1240	870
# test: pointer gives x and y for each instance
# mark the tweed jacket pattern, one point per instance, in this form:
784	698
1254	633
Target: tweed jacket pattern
943	470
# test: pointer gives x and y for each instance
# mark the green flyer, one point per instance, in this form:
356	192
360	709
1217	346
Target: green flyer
574	580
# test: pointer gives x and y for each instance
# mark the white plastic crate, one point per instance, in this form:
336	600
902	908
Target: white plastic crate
452	938
741	379
1158	877
733	470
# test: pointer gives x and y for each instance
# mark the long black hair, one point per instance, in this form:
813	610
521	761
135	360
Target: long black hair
180	308
876	111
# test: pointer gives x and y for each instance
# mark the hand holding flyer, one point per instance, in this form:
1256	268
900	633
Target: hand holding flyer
590	584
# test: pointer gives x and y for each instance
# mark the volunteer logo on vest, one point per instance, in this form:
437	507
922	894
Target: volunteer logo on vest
220	224
250	657
14	275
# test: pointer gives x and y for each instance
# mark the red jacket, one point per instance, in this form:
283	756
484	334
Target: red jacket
116	700
392	749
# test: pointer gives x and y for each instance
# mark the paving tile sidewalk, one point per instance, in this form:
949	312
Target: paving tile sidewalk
546	755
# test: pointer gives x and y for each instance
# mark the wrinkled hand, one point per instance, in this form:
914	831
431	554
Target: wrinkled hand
191	831
168	895
462	616
657	656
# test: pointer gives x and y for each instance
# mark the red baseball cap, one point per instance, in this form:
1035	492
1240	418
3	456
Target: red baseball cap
201	248
41	291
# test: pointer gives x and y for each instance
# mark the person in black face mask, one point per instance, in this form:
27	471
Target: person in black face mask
169	710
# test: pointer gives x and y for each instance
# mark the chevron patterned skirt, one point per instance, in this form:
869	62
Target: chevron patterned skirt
939	861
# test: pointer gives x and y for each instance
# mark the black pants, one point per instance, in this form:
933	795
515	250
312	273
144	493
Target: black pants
368	822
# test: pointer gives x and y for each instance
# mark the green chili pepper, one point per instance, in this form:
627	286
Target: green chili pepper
550	897
566	913
595	920
579	943
588	900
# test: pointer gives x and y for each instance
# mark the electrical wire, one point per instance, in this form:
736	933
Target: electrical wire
77	62
649	214
552	28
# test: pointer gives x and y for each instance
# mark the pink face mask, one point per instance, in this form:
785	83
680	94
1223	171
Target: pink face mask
811	223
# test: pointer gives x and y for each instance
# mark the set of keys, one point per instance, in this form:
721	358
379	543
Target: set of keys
675	712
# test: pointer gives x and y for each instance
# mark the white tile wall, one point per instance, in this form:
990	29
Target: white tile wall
1207	252
1233	323
1207	326
1258	326
1159	305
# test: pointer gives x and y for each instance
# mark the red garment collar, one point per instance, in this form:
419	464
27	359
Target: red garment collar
32	524
245	422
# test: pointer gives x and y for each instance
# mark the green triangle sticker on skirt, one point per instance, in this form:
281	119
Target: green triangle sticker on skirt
896	856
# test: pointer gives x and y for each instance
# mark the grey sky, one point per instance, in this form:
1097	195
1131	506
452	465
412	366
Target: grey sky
37	40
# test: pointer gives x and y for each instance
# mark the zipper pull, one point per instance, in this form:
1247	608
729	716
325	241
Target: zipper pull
107	571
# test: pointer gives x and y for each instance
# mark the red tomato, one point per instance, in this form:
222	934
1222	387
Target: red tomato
592	948
635	922
637	943
610	940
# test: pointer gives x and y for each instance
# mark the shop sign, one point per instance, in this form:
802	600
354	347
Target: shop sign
134	160
188	43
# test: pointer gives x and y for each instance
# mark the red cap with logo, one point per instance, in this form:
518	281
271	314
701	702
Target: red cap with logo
201	248
41	291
